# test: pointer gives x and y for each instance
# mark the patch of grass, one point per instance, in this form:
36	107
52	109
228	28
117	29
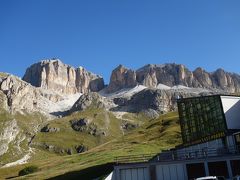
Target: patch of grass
2	74
137	117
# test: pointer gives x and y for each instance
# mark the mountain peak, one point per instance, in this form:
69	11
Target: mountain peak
51	60
172	74
55	75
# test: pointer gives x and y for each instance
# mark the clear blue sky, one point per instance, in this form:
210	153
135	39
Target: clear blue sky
100	34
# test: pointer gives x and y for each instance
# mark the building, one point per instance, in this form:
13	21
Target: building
210	127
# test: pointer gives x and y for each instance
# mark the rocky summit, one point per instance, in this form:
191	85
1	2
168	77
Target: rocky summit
122	78
172	75
54	75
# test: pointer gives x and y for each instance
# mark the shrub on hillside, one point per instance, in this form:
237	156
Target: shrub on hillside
28	170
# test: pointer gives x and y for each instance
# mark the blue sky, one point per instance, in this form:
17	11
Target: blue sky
100	34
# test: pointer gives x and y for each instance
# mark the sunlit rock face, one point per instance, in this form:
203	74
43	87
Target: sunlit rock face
54	75
171	75
122	77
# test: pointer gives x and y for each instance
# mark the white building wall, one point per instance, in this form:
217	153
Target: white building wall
231	109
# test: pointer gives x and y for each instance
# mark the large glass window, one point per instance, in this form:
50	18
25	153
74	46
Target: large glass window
201	117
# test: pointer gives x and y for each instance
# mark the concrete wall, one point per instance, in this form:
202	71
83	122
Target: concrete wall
140	173
170	172
231	109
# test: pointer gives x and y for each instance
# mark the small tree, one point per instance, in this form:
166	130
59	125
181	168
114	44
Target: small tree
28	170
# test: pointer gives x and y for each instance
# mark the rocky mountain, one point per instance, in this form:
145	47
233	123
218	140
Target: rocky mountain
17	95
54	75
68	110
174	74
53	87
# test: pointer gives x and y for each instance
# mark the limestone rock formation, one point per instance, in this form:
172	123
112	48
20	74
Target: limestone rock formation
85	125
9	131
168	74
122	78
50	129
154	101
54	75
203	78
19	96
92	99
173	75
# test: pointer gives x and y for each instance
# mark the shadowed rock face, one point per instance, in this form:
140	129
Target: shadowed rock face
54	75
172	75
154	101
91	99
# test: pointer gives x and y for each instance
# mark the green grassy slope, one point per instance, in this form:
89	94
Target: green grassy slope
152	137
107	126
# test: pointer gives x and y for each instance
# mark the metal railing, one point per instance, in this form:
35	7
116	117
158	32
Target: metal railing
179	155
134	158
204	153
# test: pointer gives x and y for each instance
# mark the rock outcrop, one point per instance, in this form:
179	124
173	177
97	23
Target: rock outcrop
85	125
50	129
9	132
153	101
54	75
122	78
79	125
92	99
19	96
172	75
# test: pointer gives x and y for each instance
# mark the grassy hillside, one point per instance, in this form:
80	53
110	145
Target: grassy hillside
102	127
151	137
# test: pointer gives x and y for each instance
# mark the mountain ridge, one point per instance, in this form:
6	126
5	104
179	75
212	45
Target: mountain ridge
55	75
152	75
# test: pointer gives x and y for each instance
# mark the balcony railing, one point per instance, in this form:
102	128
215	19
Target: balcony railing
204	153
179	155
134	158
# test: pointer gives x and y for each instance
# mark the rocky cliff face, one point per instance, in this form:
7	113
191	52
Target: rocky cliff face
17	95
92	99
54	75
154	101
172	75
122	78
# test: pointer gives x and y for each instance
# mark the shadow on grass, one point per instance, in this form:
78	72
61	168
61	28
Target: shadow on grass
12	177
88	173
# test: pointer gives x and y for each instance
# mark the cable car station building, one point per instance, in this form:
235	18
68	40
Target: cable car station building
210	128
